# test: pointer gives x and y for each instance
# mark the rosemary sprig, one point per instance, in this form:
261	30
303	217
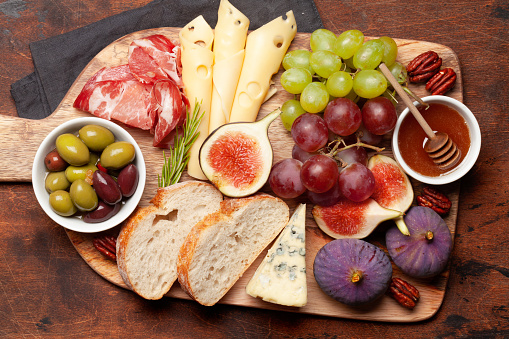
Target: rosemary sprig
178	158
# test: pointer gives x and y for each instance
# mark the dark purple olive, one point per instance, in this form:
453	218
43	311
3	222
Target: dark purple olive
425	252
54	162
106	188
128	180
102	213
352	271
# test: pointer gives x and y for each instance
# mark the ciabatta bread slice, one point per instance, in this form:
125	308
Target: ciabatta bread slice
220	248
149	242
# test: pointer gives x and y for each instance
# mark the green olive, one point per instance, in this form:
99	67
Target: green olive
96	137
61	202
56	181
73	173
117	155
83	195
94	159
72	149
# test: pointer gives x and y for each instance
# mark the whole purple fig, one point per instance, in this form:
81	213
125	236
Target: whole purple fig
425	252
352	271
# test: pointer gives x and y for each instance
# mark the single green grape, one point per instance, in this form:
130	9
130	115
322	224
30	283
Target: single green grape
325	63
314	97
339	84
294	80
291	110
349	65
390	50
322	39
369	55
369	83
348	42
399	72
298	58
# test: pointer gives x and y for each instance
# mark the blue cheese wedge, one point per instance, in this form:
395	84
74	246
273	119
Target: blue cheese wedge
281	277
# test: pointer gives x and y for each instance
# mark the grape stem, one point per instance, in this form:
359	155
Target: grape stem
340	141
415	96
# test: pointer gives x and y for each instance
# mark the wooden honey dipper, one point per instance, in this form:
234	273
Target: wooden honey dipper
440	148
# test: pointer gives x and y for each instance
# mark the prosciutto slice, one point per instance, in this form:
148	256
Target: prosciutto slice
168	108
114	93
146	93
154	58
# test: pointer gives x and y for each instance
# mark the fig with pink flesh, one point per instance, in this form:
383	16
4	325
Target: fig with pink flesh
237	157
426	251
393	189
349	219
352	271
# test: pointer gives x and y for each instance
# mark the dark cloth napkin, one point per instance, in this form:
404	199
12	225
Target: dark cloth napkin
59	60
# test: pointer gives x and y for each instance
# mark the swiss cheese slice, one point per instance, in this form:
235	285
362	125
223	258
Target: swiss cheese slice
281	277
196	40
265	49
229	43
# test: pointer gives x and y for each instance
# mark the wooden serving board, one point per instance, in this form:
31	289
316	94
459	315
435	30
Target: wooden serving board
29	133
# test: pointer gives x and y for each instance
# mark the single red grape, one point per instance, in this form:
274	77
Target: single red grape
379	115
285	179
329	198
319	173
301	155
353	155
310	132
342	116
356	182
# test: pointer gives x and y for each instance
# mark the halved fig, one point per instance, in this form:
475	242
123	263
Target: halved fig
237	157
349	219
393	189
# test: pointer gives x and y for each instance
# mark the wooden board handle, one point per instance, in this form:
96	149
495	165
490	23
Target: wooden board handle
19	140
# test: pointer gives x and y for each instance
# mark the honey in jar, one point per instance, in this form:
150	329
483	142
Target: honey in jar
411	137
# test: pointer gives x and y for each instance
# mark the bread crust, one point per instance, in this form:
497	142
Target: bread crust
187	250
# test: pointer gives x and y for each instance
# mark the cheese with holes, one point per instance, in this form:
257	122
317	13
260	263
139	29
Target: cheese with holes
196	40
265	49
229	42
281	277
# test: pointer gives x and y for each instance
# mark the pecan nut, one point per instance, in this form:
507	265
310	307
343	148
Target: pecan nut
442	81
424	66
403	292
107	246
435	200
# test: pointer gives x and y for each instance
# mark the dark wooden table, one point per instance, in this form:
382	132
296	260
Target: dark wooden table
46	289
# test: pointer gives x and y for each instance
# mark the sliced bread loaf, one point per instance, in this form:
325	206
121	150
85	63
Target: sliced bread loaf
220	248
149	242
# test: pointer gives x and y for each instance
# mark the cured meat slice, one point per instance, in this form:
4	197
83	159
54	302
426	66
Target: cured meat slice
114	93
154	58
169	109
146	93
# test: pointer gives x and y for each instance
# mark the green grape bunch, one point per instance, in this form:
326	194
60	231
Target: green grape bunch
338	66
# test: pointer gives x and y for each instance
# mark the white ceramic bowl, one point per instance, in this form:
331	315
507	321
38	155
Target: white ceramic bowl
469	160
39	174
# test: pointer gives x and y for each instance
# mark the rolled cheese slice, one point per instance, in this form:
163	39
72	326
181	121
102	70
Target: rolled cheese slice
196	40
229	43
265	49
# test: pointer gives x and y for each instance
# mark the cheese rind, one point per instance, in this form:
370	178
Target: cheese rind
196	40
265	49
229	43
281	277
